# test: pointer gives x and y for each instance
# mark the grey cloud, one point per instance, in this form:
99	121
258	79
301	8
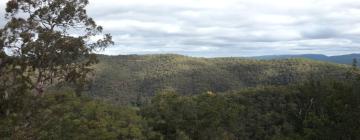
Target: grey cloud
232	31
320	33
236	28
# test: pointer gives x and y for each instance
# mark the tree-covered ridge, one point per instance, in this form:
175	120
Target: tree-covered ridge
131	78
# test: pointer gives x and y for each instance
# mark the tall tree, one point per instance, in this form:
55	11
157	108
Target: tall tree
50	41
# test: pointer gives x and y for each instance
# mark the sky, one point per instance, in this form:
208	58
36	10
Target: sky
221	28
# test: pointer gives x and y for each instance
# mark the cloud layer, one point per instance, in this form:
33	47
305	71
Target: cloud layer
212	28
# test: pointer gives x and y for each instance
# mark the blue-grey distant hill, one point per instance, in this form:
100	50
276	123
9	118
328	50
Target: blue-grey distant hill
341	59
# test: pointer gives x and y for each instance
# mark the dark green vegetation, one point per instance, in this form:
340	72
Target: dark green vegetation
132	78
64	116
314	110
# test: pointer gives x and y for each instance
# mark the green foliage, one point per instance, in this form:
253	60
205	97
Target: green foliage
36	51
329	110
65	116
314	111
182	117
39	45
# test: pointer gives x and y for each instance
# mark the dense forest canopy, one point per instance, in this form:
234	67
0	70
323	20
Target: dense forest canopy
312	110
132	78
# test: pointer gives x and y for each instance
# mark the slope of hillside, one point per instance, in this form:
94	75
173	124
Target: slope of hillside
132	78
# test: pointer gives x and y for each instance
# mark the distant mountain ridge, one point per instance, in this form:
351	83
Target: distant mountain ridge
341	59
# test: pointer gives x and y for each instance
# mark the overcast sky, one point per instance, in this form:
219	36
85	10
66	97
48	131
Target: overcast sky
212	28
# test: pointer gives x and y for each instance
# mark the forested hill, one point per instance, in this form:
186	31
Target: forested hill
133	78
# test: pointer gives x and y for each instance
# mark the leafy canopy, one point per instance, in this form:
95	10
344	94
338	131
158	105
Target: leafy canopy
49	41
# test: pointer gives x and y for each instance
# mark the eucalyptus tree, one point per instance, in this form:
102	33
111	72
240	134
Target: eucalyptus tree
50	41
